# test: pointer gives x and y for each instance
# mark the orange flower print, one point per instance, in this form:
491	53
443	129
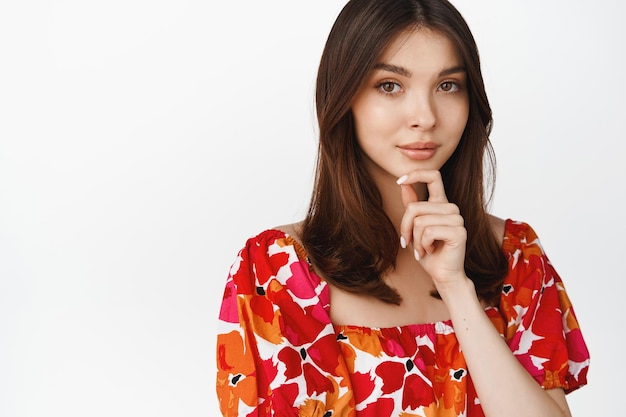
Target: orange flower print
236	379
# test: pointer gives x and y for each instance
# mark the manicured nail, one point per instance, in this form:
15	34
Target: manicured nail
417	254
402	179
403	242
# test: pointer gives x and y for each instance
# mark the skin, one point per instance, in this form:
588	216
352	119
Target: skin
417	94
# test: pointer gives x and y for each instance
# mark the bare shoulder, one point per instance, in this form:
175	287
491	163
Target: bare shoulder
292	230
497	227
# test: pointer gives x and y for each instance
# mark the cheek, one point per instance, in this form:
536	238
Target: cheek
458	118
365	121
462	122
374	119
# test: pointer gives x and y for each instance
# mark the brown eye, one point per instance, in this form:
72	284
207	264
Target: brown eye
389	87
448	86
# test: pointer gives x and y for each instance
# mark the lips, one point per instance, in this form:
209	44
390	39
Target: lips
419	145
418	151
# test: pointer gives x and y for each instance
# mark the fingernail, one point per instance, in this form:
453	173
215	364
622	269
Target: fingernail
402	179
417	254
403	242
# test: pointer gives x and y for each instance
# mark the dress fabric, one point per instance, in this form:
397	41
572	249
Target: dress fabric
278	354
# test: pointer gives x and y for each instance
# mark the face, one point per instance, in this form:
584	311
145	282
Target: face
412	109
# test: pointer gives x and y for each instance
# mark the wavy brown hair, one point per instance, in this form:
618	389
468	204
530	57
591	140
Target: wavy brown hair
346	232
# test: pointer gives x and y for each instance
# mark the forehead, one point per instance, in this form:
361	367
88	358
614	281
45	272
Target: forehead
421	48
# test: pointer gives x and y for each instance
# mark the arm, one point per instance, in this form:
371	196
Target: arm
435	228
503	385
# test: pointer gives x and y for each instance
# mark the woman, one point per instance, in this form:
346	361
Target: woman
398	294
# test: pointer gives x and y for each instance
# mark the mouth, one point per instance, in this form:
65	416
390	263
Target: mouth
418	146
418	151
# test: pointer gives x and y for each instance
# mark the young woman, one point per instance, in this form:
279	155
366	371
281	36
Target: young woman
398	294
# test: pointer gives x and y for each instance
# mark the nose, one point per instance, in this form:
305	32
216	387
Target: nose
422	112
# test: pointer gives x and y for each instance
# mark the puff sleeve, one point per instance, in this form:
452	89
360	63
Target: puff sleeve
236	368
277	352
538	320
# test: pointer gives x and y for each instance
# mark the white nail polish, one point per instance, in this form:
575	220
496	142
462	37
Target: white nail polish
417	254
403	242
402	179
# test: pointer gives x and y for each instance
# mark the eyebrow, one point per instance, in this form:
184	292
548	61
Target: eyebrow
393	68
406	73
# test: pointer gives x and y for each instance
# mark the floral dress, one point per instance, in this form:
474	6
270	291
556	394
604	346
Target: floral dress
279	354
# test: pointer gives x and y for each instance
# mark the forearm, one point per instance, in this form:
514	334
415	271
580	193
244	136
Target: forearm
504	387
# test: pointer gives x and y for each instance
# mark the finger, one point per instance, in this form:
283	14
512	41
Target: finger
437	235
408	194
418	209
423	226
433	181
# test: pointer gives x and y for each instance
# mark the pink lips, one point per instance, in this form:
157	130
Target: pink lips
418	150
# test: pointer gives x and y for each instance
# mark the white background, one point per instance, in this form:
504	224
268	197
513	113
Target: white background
141	143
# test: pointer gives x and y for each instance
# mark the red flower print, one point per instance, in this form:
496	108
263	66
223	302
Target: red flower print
316	382
283	400
363	386
392	374
292	360
417	392
325	353
298	325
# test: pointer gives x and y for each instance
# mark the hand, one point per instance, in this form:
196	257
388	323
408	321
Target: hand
434	228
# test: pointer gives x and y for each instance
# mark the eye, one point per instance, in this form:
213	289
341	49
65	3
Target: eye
389	87
449	86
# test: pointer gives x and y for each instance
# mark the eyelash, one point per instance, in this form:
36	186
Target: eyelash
454	84
456	87
380	88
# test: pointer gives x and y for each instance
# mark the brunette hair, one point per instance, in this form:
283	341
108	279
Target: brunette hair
346	232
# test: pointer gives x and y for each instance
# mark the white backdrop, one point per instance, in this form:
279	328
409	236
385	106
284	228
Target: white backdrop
141	143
